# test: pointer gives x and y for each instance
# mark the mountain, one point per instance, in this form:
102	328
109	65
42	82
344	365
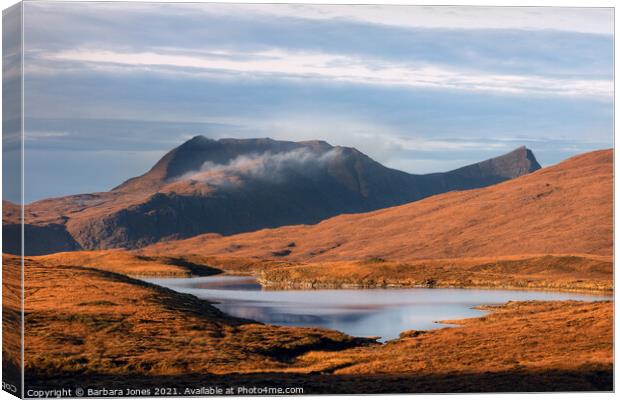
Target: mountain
563	209
229	186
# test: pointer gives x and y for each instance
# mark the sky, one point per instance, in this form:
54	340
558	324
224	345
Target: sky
111	87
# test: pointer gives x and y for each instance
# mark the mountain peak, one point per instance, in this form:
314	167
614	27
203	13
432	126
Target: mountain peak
197	141
515	163
518	162
317	144
230	186
193	153
522	151
524	216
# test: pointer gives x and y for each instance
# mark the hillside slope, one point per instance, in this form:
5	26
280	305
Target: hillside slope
563	209
103	330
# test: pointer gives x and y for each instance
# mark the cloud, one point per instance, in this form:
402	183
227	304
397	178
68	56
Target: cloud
98	134
510	48
271	167
34	134
596	20
576	19
335	68
422	89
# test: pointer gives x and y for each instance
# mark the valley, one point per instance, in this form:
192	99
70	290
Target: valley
91	313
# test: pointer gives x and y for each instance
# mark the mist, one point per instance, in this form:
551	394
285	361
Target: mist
267	166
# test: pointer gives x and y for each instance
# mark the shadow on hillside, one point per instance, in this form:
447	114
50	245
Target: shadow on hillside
194	269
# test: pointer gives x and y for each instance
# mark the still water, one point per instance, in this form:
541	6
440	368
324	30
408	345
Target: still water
358	312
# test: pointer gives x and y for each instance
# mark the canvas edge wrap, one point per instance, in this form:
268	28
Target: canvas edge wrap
12	187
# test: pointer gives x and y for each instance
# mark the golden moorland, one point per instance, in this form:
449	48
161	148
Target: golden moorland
89	318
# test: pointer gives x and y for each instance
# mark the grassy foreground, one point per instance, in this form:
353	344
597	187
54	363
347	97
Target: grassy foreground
81	320
95	328
534	335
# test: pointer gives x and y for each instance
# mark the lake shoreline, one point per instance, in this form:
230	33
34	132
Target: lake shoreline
576	273
309	285
382	313
566	273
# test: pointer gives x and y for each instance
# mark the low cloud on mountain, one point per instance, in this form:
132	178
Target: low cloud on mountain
267	166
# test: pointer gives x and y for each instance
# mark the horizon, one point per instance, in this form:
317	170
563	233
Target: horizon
419	89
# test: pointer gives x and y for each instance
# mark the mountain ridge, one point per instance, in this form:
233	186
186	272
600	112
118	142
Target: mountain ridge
563	209
230	186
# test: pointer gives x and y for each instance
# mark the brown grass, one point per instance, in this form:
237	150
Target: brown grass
87	326
553	272
11	318
82	320
518	336
128	263
579	273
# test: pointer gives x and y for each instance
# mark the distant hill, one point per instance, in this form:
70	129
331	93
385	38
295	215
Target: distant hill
229	186
563	209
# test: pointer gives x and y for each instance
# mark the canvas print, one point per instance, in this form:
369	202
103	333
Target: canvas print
204	199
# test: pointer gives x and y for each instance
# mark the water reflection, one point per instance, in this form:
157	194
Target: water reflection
362	312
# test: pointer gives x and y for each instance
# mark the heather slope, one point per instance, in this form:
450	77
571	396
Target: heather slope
86	321
563	209
518	336
131	264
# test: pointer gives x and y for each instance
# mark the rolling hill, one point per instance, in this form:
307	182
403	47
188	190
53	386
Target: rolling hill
563	209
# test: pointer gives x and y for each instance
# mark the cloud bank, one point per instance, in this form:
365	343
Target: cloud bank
336	68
